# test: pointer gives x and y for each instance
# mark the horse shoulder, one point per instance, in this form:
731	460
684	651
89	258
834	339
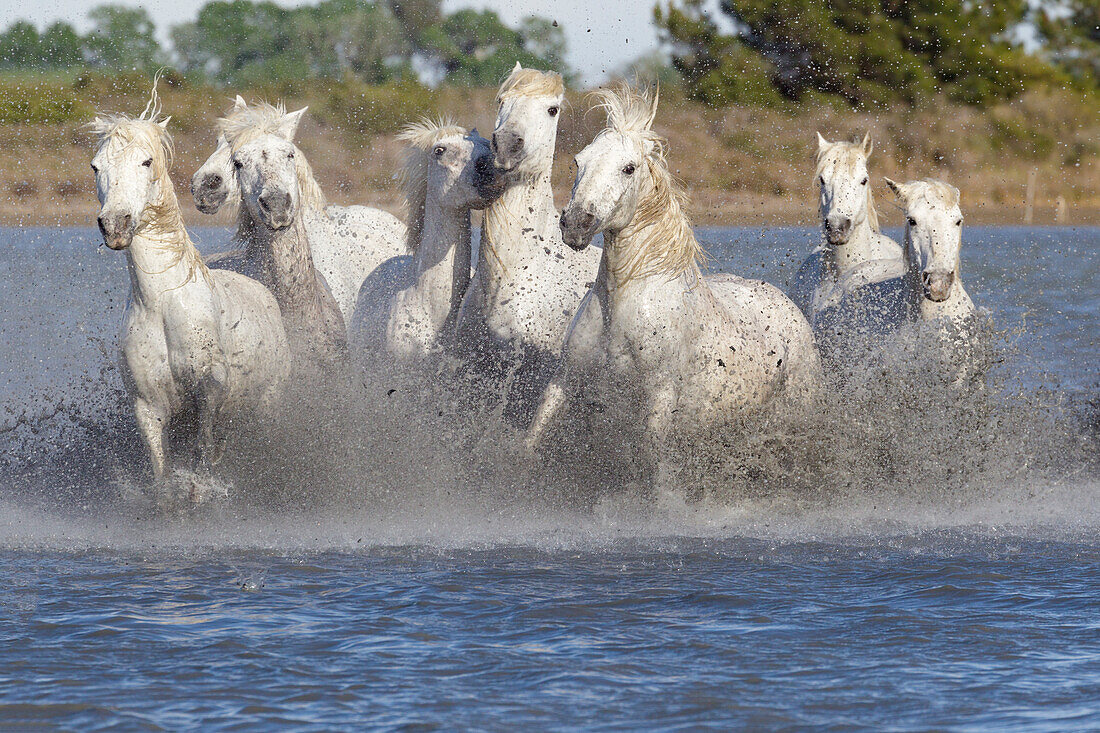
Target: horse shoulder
250	315
885	248
585	339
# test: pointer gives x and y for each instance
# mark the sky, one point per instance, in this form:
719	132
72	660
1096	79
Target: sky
603	35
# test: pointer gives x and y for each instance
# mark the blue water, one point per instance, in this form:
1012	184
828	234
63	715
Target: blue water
386	593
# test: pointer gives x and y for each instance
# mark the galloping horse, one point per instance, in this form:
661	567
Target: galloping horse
448	172
208	342
349	242
696	346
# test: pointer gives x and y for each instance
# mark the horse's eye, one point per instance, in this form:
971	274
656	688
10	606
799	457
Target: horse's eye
628	169
94	169
290	155
864	181
822	179
912	222
959	223
553	111
439	150
148	162
237	164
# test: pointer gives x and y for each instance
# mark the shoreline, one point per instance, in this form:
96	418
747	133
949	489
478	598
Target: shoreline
718	210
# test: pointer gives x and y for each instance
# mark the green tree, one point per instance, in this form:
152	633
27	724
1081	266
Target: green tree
20	46
868	52
62	47
242	41
1071	31
476	48
416	17
123	38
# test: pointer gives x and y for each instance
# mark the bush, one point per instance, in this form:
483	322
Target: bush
41	102
376	110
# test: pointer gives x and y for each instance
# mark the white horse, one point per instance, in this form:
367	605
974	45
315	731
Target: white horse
855	253
349	243
206	342
933	239
697	346
527	285
279	194
448	172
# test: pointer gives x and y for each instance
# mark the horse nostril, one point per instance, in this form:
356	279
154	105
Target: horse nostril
214	181
844	224
587	220
286	201
124	222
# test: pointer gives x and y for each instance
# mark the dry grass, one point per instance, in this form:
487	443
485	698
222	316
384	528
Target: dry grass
740	165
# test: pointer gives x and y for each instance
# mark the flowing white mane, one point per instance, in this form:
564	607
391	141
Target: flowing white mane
845	156
420	138
161	220
241	126
668	244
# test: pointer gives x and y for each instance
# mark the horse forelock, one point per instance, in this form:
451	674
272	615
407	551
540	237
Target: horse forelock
420	138
531	83
245	124
932	191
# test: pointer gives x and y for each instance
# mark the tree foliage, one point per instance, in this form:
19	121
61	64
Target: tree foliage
123	38
477	48
1071	31
868	52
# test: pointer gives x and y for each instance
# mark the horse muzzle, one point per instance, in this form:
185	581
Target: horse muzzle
210	194
508	150
276	209
937	285
577	228
488	179
117	230
838	230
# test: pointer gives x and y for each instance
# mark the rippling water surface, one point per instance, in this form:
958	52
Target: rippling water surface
398	584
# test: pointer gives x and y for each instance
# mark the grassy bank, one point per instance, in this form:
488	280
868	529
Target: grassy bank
741	165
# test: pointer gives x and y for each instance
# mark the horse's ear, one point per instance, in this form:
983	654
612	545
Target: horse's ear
954	195
516	68
897	188
868	145
822	143
653	109
289	126
164	123
239	103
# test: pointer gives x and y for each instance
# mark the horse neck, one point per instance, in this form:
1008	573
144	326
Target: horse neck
442	257
527	204
843	259
161	258
627	247
287	263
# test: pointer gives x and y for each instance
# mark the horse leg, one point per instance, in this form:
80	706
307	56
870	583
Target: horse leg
151	422
553	398
212	394
662	404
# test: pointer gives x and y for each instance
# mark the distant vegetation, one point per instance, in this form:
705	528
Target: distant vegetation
246	42
871	53
946	88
